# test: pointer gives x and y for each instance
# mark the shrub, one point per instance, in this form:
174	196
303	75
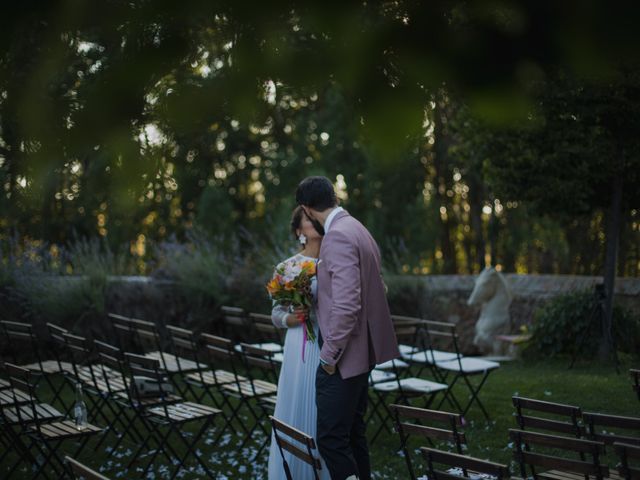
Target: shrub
568	324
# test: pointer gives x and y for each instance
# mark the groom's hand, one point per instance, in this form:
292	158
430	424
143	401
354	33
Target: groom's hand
330	369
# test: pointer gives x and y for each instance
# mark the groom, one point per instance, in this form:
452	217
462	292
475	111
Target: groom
355	327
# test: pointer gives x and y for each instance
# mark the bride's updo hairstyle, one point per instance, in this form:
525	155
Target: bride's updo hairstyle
296	220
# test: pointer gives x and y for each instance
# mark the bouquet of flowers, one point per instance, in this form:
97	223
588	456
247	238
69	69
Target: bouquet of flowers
291	286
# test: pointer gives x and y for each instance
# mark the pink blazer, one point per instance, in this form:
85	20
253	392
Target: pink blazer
353	314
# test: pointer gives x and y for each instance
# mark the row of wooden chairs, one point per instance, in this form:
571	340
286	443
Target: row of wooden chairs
101	368
536	454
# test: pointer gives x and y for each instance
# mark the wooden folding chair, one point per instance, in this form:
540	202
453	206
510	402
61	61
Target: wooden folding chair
129	414
21	336
165	413
448	429
461	367
186	362
545	454
232	386
12	400
235	323
45	431
402	390
558	418
147	341
635	377
269	337
303	448
103	386
82	472
457	466
261	387
612	428
417	350
629	465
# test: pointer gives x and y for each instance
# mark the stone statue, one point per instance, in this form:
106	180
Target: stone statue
493	294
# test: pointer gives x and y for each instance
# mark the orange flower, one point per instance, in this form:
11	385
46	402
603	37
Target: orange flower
273	286
289	286
309	267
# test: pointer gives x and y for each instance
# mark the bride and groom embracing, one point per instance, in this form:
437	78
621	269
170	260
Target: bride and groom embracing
324	393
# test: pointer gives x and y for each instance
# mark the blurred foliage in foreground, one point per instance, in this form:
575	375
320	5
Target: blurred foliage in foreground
459	132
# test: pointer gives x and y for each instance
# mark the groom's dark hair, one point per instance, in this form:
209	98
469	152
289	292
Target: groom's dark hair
316	193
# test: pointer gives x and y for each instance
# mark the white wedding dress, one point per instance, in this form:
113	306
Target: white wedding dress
296	401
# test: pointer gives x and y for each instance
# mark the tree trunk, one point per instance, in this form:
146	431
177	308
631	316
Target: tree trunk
613	242
476	196
442	183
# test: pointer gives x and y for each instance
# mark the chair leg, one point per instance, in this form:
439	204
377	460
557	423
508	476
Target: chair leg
190	450
475	392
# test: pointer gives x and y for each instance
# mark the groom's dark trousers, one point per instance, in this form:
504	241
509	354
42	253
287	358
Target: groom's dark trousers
341	429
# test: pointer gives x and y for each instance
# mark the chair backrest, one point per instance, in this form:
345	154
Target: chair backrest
264	327
635	377
530	457
149	368
559	417
259	363
219	349
599	427
456	462
236	323
135	333
185	345
18	334
441	336
21	380
406	329
302	448
629	455
448	429
81	356
59	350
113	358
82	471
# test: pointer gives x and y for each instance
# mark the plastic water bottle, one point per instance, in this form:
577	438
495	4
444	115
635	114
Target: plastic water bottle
80	409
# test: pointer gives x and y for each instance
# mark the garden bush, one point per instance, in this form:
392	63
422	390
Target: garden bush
569	324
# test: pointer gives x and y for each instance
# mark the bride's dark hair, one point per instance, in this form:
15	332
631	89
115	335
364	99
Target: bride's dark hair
296	220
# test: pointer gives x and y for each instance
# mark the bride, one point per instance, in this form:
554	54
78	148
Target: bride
296	400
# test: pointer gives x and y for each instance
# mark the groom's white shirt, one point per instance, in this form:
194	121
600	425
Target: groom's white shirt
330	217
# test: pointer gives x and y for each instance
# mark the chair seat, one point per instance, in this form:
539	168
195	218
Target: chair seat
378	376
411	354
13	397
116	383
415	385
44	412
65	429
561	475
49	366
269	400
389	364
219	377
184	412
468	365
149	402
171	362
4	384
269	346
262	388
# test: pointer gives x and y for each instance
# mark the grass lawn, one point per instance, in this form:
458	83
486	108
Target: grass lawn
590	385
